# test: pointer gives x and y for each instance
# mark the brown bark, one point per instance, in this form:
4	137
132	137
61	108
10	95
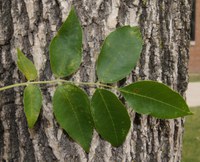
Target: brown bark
30	25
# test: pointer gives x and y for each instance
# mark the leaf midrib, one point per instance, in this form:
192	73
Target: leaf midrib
29	71
142	96
32	115
110	117
75	114
31	107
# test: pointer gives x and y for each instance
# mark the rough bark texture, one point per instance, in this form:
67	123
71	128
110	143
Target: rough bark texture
30	25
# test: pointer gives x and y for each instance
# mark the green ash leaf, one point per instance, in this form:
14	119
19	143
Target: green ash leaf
72	111
156	99
110	117
66	47
32	104
26	66
119	54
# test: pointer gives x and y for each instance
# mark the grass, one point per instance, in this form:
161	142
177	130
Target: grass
191	140
194	77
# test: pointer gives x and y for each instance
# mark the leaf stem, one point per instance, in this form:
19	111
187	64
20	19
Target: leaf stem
55	82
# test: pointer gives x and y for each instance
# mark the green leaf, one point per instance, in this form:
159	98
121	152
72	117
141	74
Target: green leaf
110	117
72	111
66	47
119	54
156	99
32	104
26	66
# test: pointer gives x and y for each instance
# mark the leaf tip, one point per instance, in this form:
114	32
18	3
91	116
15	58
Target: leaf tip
30	126
190	113
18	53
87	149
18	50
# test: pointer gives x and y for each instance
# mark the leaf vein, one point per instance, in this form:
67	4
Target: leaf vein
177	108
75	114
114	127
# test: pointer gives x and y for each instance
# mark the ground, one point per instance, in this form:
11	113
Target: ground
191	141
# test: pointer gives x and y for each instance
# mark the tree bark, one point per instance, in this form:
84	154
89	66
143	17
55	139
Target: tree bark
30	25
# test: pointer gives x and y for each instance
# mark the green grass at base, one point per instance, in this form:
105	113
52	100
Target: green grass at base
191	140
194	77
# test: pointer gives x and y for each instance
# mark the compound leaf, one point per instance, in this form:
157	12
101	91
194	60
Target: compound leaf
72	111
26	66
66	47
119	54
32	104
110	117
156	99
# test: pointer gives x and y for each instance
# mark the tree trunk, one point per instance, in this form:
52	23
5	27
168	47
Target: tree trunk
30	25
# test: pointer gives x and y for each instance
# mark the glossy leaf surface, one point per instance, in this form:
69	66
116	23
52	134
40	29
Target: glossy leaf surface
156	99
66	47
32	104
110	117
119	54
26	66
72	110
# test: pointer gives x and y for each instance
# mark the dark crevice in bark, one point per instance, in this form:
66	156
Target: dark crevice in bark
39	17
103	11
47	73
1	5
1	137
122	13
85	17
122	82
153	65
47	153
6	28
142	61
137	120
176	129
8	108
142	21
166	140
9	112
161	125
183	48
23	19
27	145
149	144
25	142
137	127
1	65
14	143
182	79
164	10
